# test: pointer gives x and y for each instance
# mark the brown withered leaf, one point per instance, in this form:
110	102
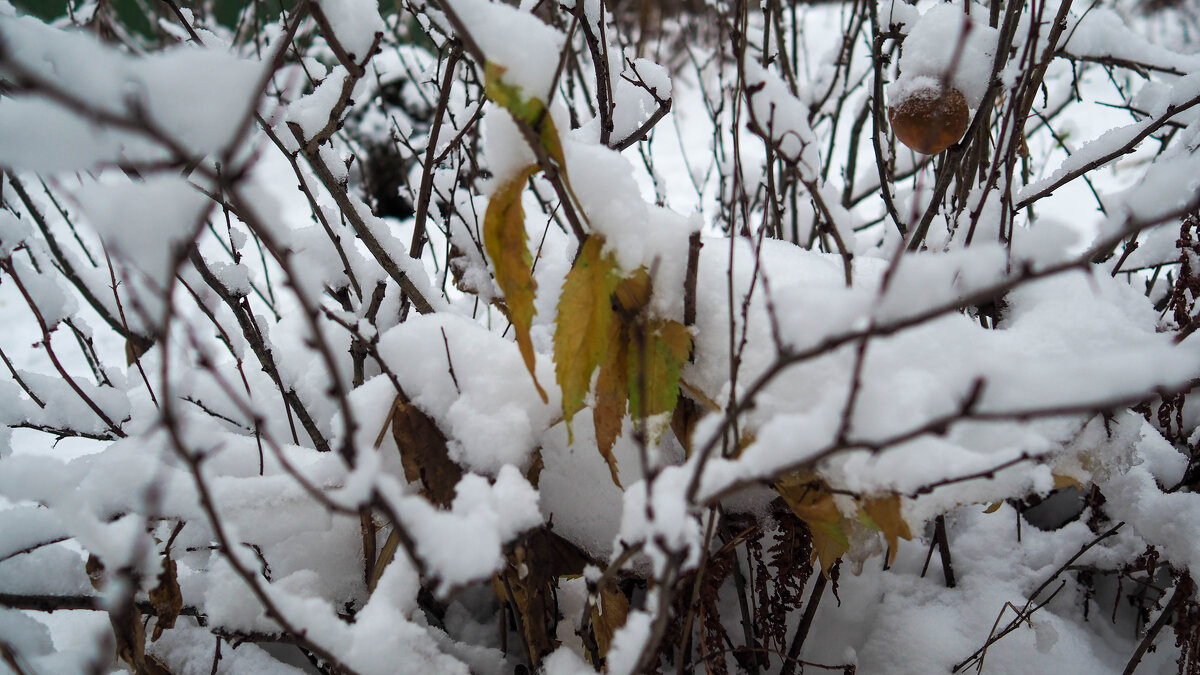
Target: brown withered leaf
127	627
611	395
884	515
526	584
561	557
504	239
95	571
683	421
534	473
135	347
581	329
423	453
632	294
608	615
166	598
387	553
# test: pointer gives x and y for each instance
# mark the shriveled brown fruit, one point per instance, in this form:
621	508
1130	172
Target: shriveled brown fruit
930	120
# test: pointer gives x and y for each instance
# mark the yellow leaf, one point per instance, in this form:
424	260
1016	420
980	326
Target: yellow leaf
608	614
1062	481
884	515
994	507
804	495
553	145
582	329
504	239
829	544
609	410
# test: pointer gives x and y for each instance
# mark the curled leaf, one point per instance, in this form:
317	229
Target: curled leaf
166	598
611	396
504	238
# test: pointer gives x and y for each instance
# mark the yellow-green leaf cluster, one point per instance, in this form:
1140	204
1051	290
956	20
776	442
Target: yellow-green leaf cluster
602	320
603	324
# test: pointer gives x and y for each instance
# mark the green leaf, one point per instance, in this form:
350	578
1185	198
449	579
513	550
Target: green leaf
582	329
655	364
509	96
504	238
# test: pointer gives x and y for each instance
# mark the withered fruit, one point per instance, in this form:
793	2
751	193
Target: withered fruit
930	120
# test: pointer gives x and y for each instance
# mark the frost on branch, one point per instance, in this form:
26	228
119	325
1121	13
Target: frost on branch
472	336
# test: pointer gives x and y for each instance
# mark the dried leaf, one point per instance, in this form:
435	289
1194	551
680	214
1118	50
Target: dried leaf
534	473
683	422
166	598
994	507
136	346
608	615
611	396
789	566
884	515
525	583
423	453
504	238
581	330
386	555
633	293
714	636
562	558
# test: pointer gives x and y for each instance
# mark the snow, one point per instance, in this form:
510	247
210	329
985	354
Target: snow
947	43
483	517
313	112
783	118
355	24
492	414
197	97
521	44
145	223
1102	33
